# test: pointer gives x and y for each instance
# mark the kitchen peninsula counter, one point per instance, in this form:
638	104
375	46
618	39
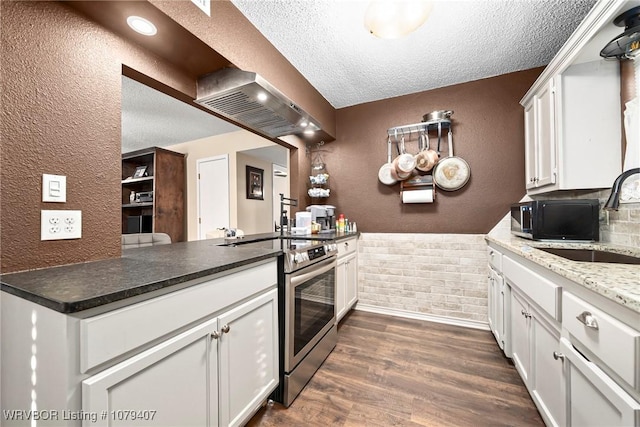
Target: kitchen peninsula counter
617	282
77	287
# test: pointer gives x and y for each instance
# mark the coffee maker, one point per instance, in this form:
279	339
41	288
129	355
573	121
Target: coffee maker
325	215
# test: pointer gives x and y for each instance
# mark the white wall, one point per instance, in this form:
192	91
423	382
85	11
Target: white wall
230	144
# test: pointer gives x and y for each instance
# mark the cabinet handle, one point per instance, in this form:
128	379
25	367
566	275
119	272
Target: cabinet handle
525	314
558	356
588	320
215	335
225	329
346	244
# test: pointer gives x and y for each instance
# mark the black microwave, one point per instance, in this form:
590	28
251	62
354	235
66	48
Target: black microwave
557	220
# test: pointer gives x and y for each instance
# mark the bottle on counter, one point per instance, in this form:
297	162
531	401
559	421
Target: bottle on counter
341	223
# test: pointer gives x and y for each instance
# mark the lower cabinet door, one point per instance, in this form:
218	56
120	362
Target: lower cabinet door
520	345
595	400
171	384
546	372
351	288
248	357
341	284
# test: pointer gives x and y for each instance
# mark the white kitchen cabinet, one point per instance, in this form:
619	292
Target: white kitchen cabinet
534	342
173	383
520	331
346	276
498	302
248	358
572	112
540	138
216	373
594	399
152	353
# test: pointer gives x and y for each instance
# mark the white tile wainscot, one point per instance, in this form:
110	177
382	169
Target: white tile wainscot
436	277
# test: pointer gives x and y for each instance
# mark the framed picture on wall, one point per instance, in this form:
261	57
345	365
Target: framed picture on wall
255	183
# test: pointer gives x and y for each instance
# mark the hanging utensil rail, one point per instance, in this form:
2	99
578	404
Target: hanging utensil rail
418	128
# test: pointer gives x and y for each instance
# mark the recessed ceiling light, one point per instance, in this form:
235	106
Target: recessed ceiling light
142	26
389	19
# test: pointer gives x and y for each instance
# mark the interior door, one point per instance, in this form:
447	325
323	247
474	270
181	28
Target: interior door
213	194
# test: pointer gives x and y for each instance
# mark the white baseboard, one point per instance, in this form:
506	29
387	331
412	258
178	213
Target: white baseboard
465	323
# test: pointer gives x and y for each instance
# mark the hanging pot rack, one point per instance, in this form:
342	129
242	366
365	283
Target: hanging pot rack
407	130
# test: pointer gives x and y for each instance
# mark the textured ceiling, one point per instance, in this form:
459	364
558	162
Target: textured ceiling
152	119
461	41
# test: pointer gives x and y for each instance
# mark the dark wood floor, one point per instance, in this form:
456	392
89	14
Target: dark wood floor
391	371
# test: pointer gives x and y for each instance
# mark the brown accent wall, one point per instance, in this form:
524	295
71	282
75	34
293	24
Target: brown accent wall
488	132
60	115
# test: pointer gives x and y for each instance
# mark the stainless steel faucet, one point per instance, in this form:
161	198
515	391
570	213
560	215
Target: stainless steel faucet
614	199
284	201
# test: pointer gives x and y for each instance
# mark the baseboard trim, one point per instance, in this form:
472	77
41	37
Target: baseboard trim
465	323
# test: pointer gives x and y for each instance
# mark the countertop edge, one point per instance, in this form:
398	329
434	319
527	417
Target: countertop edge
575	271
99	300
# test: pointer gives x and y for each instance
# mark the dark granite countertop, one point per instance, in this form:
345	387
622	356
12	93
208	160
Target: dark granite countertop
268	236
77	287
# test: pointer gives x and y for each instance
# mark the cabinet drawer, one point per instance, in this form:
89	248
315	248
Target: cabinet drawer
495	258
347	246
543	292
110	335
614	343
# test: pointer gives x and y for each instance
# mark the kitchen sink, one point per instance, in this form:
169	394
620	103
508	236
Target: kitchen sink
592	255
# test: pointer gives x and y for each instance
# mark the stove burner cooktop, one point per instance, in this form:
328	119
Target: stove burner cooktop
299	253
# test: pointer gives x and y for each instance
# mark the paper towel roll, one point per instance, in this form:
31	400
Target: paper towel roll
417	196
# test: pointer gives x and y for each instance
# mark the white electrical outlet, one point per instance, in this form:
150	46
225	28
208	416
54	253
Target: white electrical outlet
58	225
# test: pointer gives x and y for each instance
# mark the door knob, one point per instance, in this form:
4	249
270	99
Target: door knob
558	356
225	329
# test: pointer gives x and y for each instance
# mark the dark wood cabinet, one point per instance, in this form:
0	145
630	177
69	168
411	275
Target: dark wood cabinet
153	192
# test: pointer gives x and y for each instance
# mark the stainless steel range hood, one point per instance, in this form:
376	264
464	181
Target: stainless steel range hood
248	99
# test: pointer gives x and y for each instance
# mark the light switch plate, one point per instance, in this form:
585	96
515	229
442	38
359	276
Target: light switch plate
54	188
59	225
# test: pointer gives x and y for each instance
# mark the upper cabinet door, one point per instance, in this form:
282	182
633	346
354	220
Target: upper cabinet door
546	136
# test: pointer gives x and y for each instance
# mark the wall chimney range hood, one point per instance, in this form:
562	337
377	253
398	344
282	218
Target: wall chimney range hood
248	99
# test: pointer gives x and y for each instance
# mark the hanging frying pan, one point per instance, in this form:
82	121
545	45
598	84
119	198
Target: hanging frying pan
386	173
426	157
451	173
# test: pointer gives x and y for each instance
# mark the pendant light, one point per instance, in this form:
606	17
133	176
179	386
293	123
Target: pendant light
625	45
392	19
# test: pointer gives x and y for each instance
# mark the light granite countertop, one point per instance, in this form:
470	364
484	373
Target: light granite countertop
617	282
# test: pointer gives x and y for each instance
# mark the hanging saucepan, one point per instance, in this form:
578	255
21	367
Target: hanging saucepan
387	171
437	115
427	158
451	173
405	163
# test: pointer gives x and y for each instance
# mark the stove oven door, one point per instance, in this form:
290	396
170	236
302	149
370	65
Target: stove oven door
309	309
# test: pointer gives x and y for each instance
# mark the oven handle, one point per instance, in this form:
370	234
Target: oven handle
319	268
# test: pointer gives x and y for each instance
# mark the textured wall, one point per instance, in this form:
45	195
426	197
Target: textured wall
430	274
488	132
60	115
